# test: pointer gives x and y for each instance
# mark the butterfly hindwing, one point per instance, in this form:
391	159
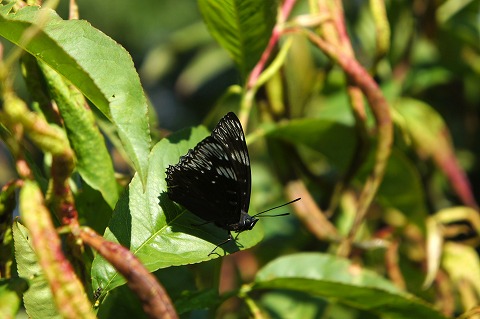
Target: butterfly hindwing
213	180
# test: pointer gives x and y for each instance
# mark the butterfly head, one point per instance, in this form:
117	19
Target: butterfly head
246	222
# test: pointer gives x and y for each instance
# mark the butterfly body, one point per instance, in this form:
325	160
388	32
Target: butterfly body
213	180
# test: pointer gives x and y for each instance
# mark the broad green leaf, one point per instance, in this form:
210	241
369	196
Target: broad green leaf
301	73
38	298
121	303
402	188
10	296
421	80
344	282
335	140
204	299
294	303
430	139
158	231
98	66
93	159
433	140
92	209
242	27
179	283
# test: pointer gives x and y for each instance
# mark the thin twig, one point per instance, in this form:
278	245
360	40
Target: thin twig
156	302
380	109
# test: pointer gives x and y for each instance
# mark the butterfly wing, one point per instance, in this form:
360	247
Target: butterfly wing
229	132
213	180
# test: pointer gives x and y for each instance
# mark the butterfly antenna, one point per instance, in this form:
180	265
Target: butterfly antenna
284	214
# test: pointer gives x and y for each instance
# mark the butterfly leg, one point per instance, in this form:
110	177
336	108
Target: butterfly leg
222	243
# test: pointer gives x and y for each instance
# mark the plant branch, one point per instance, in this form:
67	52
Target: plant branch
252	85
309	213
50	139
67	291
380	109
156	303
336	34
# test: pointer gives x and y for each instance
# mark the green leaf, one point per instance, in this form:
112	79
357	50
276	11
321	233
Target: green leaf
335	140
158	231
401	187
38	298
10	296
179	282
295	303
204	299
93	159
92	209
121	303
461	262
411	115
333	136
98	66
339	279
242	27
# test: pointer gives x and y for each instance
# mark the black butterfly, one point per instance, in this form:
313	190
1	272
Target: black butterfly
213	180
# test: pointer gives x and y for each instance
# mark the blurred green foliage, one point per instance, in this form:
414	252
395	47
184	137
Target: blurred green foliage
301	127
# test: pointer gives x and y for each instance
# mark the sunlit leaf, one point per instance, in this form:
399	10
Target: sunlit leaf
93	159
344	282
98	66
38	298
462	264
10	296
158	231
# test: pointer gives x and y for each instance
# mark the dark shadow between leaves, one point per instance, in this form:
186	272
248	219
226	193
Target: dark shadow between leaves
121	223
181	220
182	135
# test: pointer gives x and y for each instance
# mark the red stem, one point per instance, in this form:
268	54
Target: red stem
276	32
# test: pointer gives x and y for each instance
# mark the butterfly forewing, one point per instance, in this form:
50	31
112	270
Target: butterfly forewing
229	132
213	180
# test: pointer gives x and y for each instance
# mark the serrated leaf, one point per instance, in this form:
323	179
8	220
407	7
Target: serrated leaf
93	159
339	279
159	232
242	27
27	264
38	298
98	66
